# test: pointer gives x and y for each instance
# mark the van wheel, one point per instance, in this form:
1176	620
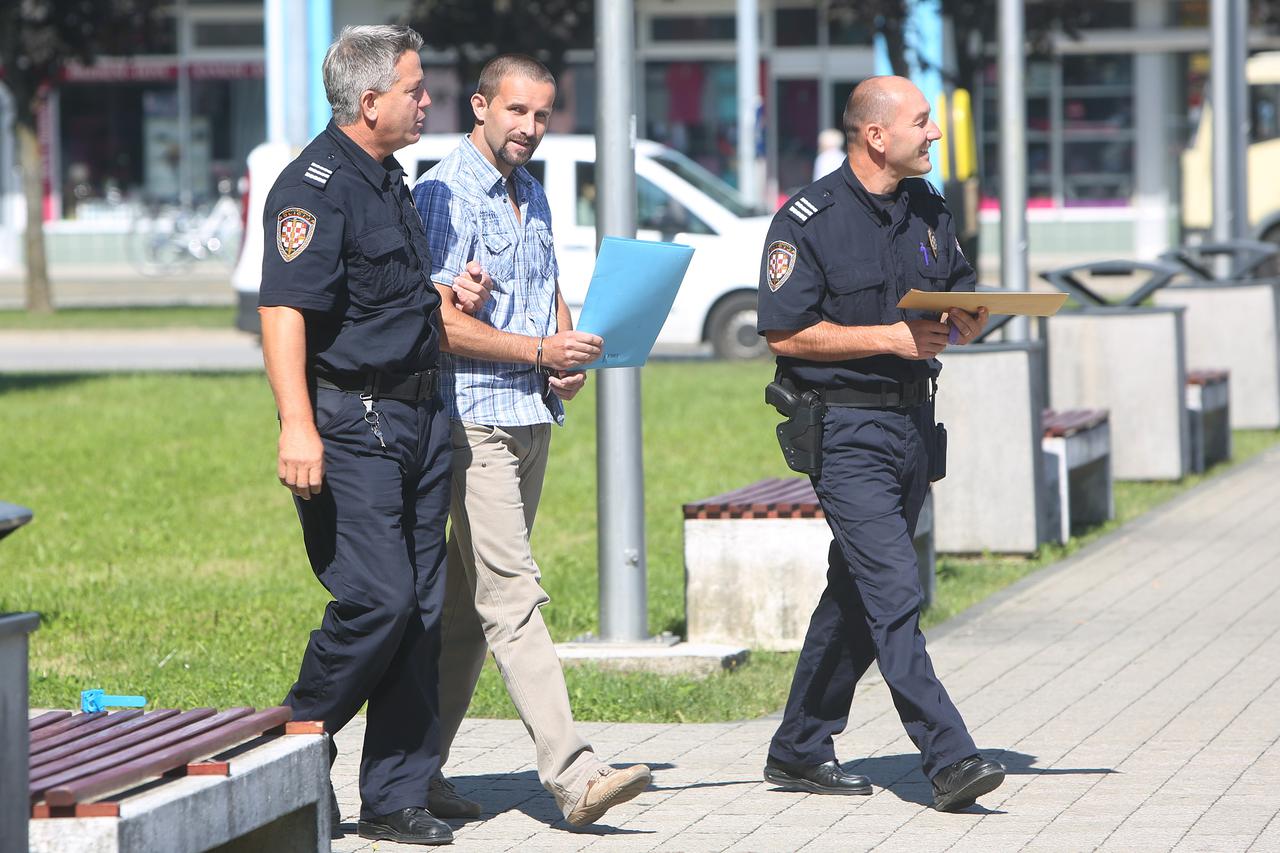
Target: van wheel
732	329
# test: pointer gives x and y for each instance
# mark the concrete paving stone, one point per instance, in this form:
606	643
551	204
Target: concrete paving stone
1192	843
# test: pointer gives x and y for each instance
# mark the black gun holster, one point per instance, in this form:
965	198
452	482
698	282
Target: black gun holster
800	435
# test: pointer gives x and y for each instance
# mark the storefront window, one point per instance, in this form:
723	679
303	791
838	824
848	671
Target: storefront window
693	28
795	27
1264	113
692	107
846	30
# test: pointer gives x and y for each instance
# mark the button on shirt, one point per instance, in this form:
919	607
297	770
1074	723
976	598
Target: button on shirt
343	244
468	216
838	253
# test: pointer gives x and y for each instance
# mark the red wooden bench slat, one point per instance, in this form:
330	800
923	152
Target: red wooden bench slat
1207	376
114	739
82	732
72	722
45	719
49	778
212	741
782	497
1057	424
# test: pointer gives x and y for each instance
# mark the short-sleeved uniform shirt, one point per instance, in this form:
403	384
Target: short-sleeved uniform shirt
838	253
344	245
468	216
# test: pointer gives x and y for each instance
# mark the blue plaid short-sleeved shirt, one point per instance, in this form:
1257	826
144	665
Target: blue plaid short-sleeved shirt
467	214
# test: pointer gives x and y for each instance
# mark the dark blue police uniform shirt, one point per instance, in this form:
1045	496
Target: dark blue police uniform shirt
345	245
839	253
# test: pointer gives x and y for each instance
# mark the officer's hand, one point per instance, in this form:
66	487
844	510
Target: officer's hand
471	288
300	463
918	339
570	350
967	326
567	383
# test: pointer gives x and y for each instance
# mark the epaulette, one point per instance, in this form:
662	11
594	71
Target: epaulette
801	209
318	175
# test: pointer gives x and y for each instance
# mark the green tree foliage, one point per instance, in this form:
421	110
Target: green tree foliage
38	39
477	30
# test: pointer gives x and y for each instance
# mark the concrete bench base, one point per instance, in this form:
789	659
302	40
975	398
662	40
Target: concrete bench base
993	498
1077	470
274	799
1236	327
756	581
1209	417
1131	362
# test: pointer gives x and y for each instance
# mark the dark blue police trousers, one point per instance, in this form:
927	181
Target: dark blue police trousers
375	536
872	485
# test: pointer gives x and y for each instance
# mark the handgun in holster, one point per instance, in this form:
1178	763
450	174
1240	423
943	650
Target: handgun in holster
800	435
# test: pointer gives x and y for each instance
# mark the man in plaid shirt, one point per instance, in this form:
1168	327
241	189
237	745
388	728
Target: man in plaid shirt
507	371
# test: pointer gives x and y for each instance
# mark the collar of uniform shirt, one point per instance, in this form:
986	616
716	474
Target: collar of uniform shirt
378	174
487	174
873	206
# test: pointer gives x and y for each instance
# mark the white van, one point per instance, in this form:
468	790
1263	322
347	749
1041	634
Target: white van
679	201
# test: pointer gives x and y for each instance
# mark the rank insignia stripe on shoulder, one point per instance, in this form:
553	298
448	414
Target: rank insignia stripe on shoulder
294	229
780	264
801	208
318	175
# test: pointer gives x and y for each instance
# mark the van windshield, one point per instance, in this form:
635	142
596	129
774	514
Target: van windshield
708	183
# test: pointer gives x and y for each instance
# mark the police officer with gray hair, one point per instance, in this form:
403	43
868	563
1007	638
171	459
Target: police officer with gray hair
350	337
856	376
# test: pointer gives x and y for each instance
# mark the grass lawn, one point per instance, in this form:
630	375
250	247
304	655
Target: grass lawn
167	561
212	317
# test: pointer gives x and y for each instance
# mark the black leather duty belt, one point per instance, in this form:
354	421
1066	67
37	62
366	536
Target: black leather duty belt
889	395
405	387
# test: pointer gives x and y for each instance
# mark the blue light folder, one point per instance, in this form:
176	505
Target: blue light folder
632	288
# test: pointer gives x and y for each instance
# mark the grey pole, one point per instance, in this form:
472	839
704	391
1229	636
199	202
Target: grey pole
748	98
619	451
1230	113
1013	158
185	176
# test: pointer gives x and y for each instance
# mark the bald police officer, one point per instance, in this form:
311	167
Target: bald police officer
350	336
857	376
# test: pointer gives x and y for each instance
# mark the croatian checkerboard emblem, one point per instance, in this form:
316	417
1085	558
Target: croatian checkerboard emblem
294	229
782	261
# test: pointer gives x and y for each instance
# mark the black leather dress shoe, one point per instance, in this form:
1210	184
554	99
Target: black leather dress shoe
408	826
959	785
815	778
444	801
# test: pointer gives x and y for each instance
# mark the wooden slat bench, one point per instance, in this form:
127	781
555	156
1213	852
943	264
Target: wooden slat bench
756	562
177	780
1209	413
1077	466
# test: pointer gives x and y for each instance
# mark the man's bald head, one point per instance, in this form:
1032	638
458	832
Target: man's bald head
874	101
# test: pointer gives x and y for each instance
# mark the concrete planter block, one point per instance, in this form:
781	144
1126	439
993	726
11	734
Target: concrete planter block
755	581
1236	327
14	744
1209	417
993	498
1132	362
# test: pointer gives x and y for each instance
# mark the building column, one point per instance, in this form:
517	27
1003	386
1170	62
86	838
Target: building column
1154	181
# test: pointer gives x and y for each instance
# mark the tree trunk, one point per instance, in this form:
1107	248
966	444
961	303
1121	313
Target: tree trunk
39	296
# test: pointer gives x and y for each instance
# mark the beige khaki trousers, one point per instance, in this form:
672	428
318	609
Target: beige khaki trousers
494	596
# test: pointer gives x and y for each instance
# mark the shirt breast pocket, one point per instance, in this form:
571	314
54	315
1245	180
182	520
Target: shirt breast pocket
547	262
933	269
381	267
857	294
494	249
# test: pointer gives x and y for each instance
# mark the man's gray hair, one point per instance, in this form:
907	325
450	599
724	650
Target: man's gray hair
362	59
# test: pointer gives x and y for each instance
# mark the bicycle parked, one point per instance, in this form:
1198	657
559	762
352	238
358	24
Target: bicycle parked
166	238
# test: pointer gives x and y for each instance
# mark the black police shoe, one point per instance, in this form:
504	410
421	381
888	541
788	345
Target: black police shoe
959	785
444	801
413	825
815	778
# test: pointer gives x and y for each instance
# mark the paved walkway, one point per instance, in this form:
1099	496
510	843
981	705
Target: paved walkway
1133	692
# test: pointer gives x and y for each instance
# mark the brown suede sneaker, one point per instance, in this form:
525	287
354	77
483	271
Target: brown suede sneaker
608	788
